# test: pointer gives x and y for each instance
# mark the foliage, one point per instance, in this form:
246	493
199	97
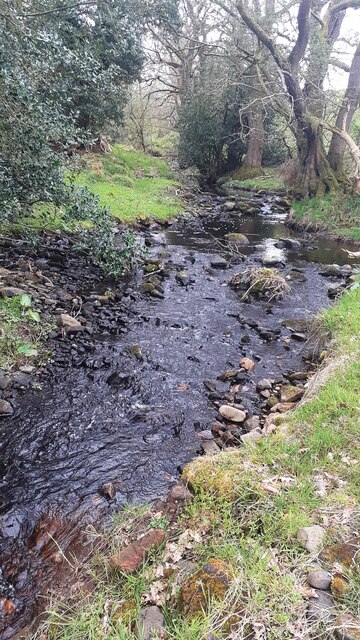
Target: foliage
336	213
21	331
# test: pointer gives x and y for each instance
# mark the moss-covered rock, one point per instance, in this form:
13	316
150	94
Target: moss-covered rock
237	238
347	554
209	583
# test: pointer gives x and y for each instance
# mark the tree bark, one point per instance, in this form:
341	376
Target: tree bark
255	127
344	118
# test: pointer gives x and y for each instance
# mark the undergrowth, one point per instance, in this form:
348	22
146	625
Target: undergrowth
337	214
21	332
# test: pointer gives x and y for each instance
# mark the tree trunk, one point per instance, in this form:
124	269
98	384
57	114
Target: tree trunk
255	126
315	174
344	118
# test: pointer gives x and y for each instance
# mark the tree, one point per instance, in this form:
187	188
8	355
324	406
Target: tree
315	173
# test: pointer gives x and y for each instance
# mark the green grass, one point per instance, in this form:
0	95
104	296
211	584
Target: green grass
336	214
132	184
270	179
20	335
242	523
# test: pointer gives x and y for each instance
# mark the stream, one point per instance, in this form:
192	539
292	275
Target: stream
124	408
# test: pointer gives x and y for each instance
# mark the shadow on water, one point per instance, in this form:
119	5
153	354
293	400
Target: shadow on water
112	417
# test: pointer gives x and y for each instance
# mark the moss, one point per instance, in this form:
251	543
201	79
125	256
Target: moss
209	583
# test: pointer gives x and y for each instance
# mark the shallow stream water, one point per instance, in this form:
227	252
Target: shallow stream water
133	422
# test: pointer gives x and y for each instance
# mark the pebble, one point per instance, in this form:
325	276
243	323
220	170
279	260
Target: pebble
210	447
253	436
263	384
247	364
151	624
290	393
252	423
5	408
232	414
69	324
319	579
217	262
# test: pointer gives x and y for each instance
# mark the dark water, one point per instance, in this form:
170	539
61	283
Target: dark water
78	431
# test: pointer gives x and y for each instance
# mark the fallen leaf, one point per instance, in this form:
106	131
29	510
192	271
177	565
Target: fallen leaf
307	592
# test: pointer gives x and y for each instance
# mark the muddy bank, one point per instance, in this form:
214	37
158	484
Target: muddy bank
123	399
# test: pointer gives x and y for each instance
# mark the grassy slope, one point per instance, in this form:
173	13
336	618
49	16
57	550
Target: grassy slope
132	184
312	464
335	214
272	178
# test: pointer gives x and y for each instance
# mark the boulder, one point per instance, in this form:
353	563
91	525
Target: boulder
209	583
290	393
311	538
131	557
231	413
151	624
69	323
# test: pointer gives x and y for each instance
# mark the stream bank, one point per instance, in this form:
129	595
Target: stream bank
124	398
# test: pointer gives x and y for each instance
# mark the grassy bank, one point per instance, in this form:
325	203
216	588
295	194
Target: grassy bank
271	178
247	508
336	214
21	332
132	184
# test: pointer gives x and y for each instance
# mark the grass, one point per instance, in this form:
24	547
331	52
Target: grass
132	184
21	334
247	508
270	179
336	214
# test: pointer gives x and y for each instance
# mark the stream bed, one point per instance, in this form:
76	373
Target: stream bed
125	407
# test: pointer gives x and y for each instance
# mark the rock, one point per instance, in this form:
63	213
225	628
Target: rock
319	579
252	423
238	238
206	434
291	243
151	624
210	447
253	436
183	278
347	554
155	293
69	324
131	557
209	583
108	490
289	393
282	407
230	413
229	205
265	393
335	290
272	402
263	384
322	608
27	368
180	493
217	262
347	627
5	409
11	292
311	538
331	270
247	364
228	374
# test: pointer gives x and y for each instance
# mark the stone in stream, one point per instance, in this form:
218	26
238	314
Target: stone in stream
291	243
231	413
229	374
217	262
206	434
5	409
151	624
229	205
319	579
289	393
69	324
183	278
263	384
247	364
333	270
237	238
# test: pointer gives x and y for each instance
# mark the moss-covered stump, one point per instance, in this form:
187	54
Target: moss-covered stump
209	583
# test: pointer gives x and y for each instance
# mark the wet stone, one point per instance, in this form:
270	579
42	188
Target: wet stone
232	414
5	409
217	262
